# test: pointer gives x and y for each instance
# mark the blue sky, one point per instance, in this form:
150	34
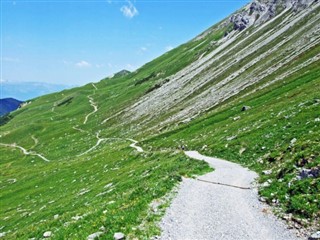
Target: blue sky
79	41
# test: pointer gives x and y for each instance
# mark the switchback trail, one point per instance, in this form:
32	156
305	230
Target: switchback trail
133	145
227	209
24	151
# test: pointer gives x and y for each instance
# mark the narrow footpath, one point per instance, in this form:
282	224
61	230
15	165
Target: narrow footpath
99	141
95	109
222	204
133	145
25	151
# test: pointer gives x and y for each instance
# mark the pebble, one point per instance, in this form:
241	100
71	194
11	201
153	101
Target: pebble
119	236
55	217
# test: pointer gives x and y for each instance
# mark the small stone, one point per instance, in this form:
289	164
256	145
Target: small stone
2	234
262	199
231	138
55	217
76	218
245	108
263	148
267	172
236	118
94	235
315	236
293	141
119	236
102	228
47	234
265	184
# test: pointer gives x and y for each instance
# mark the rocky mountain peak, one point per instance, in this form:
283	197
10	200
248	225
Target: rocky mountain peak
260	11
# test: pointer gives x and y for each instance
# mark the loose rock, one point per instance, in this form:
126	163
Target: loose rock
47	234
267	172
119	236
94	235
315	236
245	108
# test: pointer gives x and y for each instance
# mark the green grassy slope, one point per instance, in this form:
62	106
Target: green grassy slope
280	132
86	185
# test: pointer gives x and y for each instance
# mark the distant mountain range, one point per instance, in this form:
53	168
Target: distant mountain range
8	105
28	90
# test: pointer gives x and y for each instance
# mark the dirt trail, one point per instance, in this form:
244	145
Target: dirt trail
133	145
222	204
95	108
99	141
24	151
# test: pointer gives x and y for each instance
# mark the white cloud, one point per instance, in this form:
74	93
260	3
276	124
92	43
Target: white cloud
129	10
168	48
3	80
143	49
83	64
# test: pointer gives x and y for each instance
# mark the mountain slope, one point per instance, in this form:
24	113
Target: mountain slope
8	105
264	59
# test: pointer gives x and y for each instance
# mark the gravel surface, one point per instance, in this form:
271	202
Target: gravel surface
203	210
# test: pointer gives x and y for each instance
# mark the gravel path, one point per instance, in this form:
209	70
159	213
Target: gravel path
204	210
133	145
25	151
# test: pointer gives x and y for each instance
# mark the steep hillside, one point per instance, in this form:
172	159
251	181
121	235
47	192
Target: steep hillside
8	105
246	90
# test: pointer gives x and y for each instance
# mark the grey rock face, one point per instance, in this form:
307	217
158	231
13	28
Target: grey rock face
240	21
309	173
257	7
299	5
